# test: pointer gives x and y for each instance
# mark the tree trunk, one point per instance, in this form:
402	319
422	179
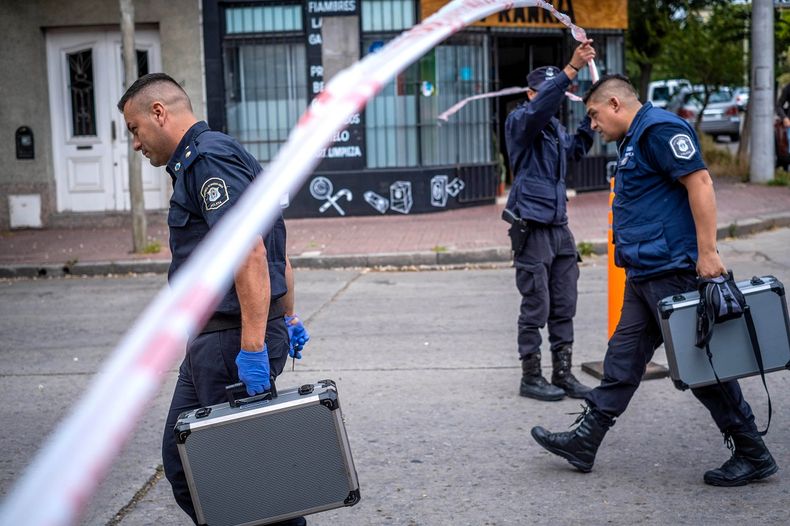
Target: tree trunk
645	71
136	198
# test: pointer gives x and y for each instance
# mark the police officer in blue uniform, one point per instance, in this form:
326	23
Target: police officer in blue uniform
665	236
544	250
254	329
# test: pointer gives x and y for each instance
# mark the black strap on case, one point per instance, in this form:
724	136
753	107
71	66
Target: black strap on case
712	310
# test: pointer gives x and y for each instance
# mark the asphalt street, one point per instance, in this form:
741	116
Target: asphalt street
427	371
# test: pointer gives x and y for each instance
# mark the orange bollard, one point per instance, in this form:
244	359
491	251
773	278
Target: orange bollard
616	293
616	275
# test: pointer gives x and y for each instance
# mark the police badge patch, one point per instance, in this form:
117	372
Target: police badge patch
215	193
682	146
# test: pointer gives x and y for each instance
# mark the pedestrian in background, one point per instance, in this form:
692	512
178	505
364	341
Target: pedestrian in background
664	225
783	112
254	328
543	246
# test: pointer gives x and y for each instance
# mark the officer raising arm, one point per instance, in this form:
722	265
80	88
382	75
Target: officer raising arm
544	250
664	226
254	327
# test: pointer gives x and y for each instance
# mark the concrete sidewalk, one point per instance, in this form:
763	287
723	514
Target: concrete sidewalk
470	235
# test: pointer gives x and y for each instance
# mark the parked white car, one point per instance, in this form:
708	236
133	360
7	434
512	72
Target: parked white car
660	92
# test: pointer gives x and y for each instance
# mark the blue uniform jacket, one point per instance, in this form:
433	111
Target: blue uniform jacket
210	170
653	227
539	147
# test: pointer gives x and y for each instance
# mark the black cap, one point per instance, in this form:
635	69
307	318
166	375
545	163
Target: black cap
540	75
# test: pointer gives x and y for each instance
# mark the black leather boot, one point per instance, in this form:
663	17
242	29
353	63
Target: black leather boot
580	445
750	461
533	385
562	376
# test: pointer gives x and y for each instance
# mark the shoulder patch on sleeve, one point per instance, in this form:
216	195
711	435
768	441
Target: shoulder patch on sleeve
682	146
215	193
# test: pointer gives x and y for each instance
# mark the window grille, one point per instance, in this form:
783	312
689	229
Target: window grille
83	101
461	71
265	75
263	19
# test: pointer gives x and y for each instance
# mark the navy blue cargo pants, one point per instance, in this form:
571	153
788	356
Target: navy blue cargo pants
633	343
546	274
209	366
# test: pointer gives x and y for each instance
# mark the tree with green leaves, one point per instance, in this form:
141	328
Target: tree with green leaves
707	48
782	45
650	23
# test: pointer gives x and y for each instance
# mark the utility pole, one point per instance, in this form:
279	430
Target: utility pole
136	198
761	98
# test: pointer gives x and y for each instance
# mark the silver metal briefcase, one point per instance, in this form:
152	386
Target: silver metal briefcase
268	458
730	346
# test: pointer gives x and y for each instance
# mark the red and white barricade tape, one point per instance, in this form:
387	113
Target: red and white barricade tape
449	112
65	473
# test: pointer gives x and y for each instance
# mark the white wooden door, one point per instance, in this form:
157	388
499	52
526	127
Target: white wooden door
155	180
88	133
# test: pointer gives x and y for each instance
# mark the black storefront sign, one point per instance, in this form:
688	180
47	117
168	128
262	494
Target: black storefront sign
347	150
393	192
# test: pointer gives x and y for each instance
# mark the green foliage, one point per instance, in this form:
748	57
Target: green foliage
585	248
153	247
650	25
708	51
781	178
782	45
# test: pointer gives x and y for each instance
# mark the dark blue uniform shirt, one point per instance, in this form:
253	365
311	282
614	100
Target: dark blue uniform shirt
210	170
653	226
539	147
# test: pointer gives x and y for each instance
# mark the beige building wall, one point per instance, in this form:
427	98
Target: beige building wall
24	91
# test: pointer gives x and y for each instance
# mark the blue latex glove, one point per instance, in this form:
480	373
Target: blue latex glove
254	370
298	336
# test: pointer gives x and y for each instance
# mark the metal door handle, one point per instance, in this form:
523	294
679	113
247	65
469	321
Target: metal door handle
112	128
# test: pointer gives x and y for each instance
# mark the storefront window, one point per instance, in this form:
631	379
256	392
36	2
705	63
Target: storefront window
387	15
391	117
401	125
263	19
265	75
460	71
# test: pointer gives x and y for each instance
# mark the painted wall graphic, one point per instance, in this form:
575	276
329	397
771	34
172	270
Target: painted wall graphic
376	201
441	189
455	187
394	192
321	188
400	197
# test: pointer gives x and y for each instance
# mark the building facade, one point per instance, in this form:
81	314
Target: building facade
266	60
251	68
63	147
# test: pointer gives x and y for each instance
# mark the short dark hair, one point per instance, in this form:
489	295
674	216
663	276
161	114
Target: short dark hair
143	82
603	80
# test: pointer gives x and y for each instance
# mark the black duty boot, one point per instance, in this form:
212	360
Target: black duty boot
562	376
580	445
750	461
533	385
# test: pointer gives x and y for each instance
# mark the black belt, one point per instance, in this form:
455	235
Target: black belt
221	321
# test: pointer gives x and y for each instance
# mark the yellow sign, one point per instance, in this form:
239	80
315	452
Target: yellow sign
587	14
